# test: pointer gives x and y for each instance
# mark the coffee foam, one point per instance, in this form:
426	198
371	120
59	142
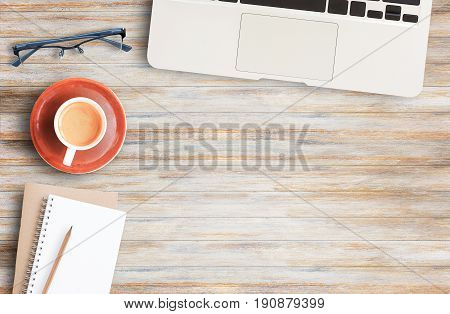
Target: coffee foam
80	124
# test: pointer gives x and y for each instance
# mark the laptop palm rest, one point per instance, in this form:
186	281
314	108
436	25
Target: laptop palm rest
287	47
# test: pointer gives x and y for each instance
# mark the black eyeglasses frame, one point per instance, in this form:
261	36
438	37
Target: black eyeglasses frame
49	43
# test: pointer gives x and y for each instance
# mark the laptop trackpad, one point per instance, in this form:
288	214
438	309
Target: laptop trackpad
287	47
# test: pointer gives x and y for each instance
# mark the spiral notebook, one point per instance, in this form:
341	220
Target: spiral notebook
31	208
88	263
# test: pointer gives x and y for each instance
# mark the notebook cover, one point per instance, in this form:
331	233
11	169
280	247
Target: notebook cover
32	200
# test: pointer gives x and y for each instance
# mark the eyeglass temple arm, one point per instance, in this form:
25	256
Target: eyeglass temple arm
120	45
36	44
22	59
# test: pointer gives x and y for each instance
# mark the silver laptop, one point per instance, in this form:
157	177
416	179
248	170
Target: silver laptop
376	46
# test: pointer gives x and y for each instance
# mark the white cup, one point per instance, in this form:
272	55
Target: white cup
71	149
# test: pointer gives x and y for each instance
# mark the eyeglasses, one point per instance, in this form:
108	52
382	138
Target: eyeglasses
112	37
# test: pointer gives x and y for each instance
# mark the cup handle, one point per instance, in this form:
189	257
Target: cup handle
68	157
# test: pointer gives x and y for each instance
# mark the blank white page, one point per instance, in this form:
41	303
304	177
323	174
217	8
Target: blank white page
88	263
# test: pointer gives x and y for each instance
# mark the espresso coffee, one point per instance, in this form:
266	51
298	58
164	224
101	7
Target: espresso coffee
80	124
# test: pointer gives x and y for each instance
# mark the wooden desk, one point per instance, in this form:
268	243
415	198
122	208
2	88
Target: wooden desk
372	213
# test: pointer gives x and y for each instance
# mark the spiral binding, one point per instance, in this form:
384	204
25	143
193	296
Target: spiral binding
36	246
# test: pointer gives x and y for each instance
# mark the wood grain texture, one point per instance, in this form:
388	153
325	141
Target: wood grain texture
270	254
76	5
246	100
276	280
141	153
273	229
272	280
331	139
138	75
239	205
412	179
371	215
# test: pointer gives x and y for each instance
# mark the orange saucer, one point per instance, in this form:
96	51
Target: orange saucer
44	137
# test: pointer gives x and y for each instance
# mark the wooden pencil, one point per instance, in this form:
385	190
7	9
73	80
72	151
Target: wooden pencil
57	260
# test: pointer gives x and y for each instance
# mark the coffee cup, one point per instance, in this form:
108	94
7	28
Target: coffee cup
80	124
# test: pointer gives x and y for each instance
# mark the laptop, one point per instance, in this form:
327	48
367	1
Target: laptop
376	46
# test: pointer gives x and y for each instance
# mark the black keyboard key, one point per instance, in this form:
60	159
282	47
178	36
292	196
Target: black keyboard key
394	9
338	7
374	14
392	17
410	2
358	8
410	18
304	5
393	12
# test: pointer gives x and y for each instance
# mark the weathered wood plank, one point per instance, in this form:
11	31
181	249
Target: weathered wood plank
137	75
371	153
331	139
9	229
270	254
43	24
276	280
267	204
289	229
246	99
272	229
285	254
322	128
77	5
271	280
8	251
140	75
6	279
405	179
413	126
438	52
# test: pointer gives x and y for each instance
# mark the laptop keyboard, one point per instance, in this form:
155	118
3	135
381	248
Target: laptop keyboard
390	10
304	5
